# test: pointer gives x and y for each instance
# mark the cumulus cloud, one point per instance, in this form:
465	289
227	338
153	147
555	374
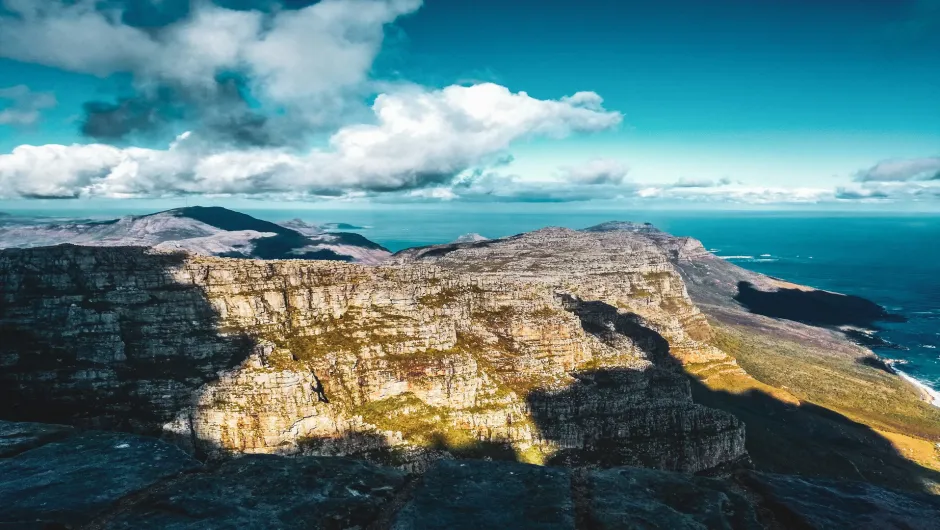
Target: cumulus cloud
738	193
700	183
311	61
596	171
20	106
420	138
900	170
843	193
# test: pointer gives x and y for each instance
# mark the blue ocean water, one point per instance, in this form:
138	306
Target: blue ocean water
891	259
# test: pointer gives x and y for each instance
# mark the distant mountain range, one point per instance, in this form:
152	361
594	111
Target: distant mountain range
210	231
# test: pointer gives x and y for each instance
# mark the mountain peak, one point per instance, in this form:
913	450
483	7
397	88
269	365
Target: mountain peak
625	226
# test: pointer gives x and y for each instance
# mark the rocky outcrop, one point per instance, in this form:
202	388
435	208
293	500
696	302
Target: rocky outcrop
82	475
105	481
208	231
485	351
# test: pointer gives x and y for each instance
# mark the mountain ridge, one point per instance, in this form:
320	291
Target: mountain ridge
211	230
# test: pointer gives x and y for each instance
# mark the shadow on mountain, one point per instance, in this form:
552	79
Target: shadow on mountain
814	307
804	439
621	416
171	345
811	440
61	362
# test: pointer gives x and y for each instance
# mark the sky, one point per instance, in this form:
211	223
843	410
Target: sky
684	103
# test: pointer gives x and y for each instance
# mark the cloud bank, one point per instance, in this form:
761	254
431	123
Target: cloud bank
420	138
279	100
215	68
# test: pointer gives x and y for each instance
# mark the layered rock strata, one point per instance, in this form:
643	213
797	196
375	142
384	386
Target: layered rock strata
553	345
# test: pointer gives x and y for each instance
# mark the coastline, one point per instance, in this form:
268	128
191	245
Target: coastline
930	395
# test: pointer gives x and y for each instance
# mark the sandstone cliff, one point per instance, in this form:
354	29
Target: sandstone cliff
553	346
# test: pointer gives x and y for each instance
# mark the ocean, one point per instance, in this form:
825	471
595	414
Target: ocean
891	259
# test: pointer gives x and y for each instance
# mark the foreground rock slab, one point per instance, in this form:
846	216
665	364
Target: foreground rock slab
814	503
109	481
16	437
263	491
461	494
643	498
71	481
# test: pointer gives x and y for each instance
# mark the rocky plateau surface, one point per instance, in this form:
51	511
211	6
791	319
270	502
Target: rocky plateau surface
54	476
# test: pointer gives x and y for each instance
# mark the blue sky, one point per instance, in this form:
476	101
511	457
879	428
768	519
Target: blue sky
724	103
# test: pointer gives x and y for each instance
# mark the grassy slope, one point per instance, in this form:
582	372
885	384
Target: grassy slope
814	413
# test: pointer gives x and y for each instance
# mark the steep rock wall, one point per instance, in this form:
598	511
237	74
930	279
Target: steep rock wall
225	355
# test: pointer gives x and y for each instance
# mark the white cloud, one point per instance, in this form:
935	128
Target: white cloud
910	169
22	106
421	138
596	171
739	193
700	183
311	60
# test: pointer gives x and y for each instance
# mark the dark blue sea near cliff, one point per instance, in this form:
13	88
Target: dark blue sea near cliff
892	259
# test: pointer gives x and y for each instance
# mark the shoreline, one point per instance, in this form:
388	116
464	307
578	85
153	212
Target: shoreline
930	395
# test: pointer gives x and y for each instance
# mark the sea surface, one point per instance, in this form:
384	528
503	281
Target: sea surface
891	259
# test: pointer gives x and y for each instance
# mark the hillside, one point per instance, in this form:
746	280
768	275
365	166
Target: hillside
600	348
209	231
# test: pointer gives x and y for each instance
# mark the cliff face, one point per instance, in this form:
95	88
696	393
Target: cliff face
552	346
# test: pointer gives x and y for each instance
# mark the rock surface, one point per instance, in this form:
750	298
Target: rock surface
16	437
493	348
98	481
802	503
641	498
468	495
73	480
265	491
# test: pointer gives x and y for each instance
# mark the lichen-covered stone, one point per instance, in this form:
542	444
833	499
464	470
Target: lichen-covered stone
265	491
69	482
628	498
16	437
462	495
800	502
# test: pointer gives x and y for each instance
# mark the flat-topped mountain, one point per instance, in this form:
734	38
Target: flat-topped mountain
602	347
210	231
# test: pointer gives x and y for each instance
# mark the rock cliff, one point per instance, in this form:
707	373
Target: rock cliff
554	346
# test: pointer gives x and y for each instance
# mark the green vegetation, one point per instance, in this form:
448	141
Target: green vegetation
813	411
837	382
426	426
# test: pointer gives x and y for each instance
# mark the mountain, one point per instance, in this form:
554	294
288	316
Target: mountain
614	346
470	238
211	231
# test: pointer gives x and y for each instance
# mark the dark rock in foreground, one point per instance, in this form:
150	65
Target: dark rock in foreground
263	491
16	437
471	494
645	498
802	503
69	482
102	480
